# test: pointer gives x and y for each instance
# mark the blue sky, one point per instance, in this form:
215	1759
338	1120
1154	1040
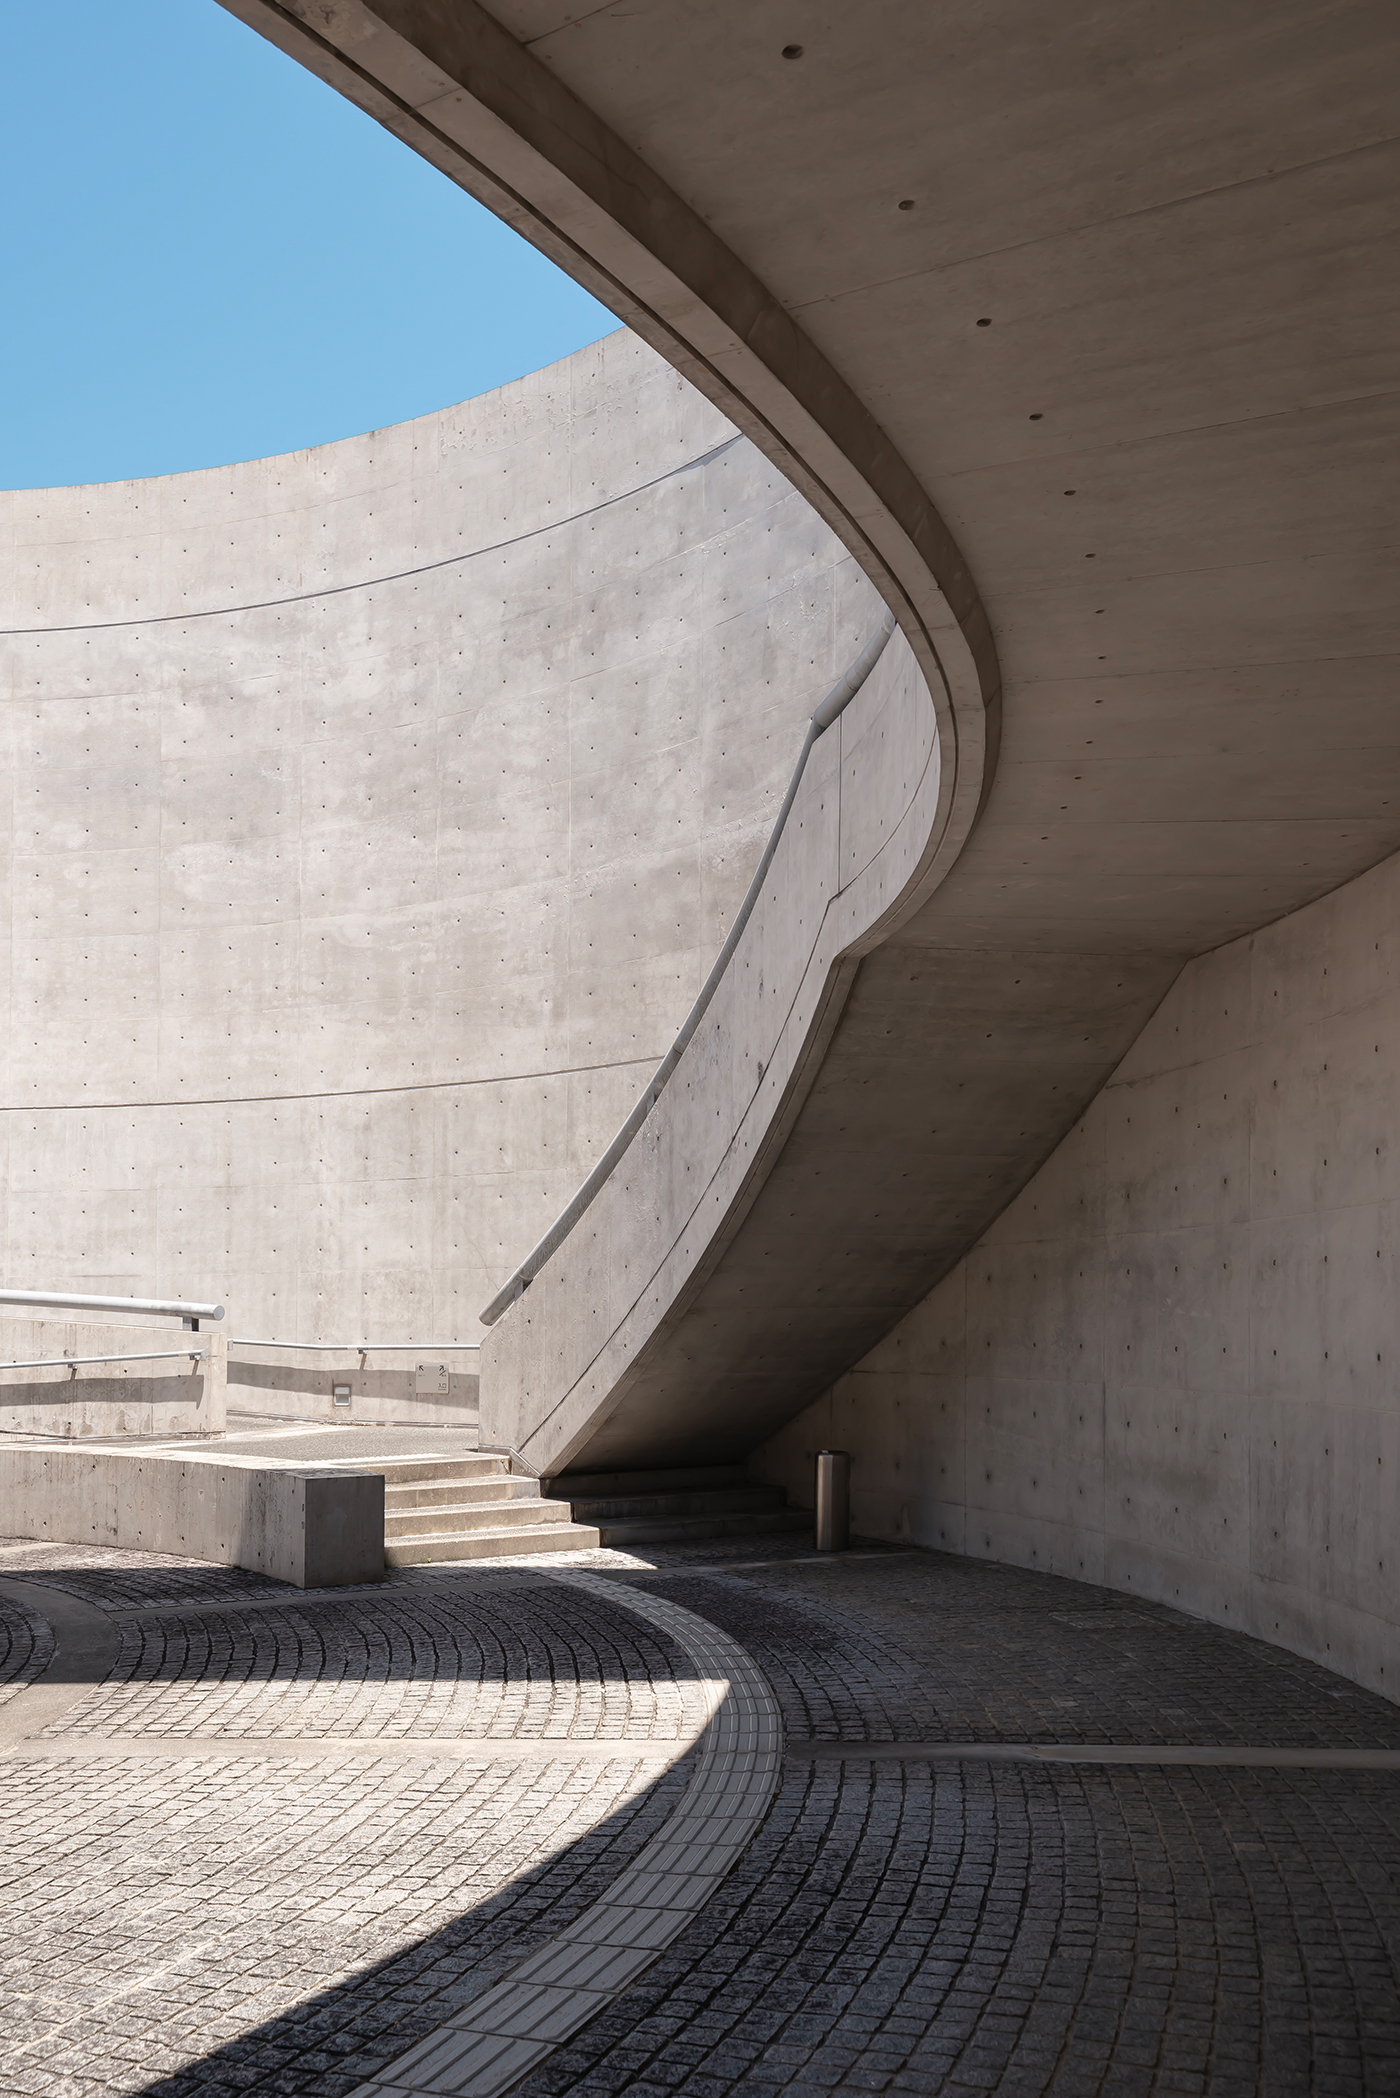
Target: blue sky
207	255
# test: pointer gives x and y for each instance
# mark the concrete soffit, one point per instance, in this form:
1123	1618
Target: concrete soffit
449	81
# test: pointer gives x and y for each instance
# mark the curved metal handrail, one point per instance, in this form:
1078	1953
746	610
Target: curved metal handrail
73	1362
155	1307
831	709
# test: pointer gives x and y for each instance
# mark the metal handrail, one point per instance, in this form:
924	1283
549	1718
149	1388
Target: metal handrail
832	707
64	1362
365	1347
164	1307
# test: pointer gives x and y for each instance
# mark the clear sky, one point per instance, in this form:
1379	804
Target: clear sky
207	255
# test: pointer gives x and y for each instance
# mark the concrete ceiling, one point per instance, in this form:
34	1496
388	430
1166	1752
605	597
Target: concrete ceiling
1080	325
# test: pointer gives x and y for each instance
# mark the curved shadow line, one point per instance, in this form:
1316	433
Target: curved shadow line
558	1989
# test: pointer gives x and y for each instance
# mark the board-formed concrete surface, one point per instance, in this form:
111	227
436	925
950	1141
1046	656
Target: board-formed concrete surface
377	812
265	1842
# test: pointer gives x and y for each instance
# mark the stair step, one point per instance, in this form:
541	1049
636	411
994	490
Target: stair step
472	1516
684	1529
413	1471
690	1478
441	1493
491	1544
666	1507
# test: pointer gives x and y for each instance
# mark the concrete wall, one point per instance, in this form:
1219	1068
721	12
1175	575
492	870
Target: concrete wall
314	1528
344	916
172	1395
1173	1364
636	1344
421	1388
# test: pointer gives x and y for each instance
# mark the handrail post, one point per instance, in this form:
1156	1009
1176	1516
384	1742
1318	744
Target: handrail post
214	1341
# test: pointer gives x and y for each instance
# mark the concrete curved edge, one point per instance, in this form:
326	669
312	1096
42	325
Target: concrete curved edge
553	1992
460	90
830	710
430	776
83	1644
585	1359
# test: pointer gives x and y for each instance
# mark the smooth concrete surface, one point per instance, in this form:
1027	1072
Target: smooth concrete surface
376	813
424	1387
172	1395
313	1528
1171	1364
1079	332
484	97
619	1353
300	1442
1111	303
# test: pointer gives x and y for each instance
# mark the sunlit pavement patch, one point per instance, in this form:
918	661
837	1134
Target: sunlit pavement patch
560	1987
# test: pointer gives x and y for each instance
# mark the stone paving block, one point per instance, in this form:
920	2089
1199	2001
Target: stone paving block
888	1926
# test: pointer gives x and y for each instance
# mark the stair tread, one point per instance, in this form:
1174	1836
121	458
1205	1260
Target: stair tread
705	1500
436	1493
658	1530
667	1479
477	1516
501	1530
486	1544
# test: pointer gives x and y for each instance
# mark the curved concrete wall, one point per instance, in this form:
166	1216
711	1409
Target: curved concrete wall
375	815
634	1345
1171	1363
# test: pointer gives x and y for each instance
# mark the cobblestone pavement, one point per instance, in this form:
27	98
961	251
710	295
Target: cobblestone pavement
291	1836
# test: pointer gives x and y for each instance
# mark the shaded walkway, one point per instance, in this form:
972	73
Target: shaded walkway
498	1748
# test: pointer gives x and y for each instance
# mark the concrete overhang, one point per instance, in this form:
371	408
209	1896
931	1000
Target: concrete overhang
1097	308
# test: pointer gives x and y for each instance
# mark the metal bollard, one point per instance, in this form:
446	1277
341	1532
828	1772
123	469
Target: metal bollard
833	1500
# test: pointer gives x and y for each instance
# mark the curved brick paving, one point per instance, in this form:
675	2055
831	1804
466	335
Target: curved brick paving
26	1646
188	1914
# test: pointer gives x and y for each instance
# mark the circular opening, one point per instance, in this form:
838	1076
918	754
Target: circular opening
906	203
792	50
984	324
1037	418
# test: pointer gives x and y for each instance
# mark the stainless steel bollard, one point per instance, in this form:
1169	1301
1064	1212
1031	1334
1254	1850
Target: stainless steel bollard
833	1500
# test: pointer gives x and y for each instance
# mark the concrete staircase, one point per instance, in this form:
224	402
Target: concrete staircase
470	1507
678	1507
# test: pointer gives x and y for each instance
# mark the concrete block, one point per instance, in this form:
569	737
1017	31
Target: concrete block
312	1528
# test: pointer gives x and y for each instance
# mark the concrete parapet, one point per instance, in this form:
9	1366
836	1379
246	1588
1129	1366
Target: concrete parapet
84	1377
615	1357
313	1528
